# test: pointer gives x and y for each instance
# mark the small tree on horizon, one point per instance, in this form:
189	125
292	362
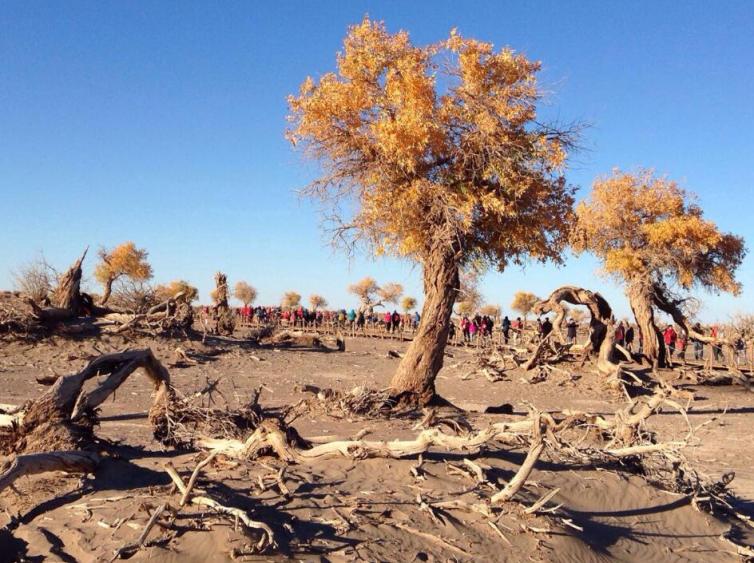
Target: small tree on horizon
523	302
390	293
494	311
125	260
317	301
408	304
245	293
438	150
290	300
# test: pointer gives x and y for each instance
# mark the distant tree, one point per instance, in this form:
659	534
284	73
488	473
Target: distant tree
290	300
577	314
490	310
170	290
317	301
372	295
390	293
650	235
366	290
125	260
245	293
469	299
408	304
465	308
439	152
523	301
35	279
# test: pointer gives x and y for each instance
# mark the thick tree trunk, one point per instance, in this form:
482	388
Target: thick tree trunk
640	297
415	377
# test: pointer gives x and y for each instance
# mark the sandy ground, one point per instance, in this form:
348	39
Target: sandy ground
344	510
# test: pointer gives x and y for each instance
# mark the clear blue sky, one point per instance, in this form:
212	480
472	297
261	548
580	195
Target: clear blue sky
162	123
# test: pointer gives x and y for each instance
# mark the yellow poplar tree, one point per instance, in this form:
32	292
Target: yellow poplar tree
649	233
125	260
245	292
290	300
523	302
408	304
439	152
317	301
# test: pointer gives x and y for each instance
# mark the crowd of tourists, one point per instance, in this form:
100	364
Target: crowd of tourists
479	329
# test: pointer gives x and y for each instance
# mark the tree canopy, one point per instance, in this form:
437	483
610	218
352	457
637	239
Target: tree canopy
523	302
436	144
408	304
245	292
646	227
290	300
125	260
317	301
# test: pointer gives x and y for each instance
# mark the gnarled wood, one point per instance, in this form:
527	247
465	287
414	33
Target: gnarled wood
601	333
30	464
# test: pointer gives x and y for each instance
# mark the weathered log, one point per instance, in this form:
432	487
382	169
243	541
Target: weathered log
30	464
56	416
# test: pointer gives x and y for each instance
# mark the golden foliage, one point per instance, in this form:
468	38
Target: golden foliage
408	304
465	308
390	292
643	227
317	301
244	292
123	260
436	146
170	290
364	289
490	310
523	301
290	300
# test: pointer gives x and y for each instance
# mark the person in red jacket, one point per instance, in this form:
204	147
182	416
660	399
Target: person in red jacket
670	336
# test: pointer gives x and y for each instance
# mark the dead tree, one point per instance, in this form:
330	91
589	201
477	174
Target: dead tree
68	302
601	333
62	419
225	320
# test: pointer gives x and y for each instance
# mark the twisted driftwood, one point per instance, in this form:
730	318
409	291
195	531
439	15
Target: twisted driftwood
601	333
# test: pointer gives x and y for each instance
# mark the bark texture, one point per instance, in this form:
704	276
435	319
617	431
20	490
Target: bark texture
225	321
415	377
641	298
601	332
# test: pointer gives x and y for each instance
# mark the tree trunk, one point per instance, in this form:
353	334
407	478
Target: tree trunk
108	291
67	295
415	377
653	346
225	321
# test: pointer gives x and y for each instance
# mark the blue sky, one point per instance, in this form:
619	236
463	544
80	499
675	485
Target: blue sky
163	122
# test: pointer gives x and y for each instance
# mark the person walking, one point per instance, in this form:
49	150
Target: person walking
571	327
506	326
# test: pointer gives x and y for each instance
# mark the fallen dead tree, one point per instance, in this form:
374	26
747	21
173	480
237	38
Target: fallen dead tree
63	417
174	316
